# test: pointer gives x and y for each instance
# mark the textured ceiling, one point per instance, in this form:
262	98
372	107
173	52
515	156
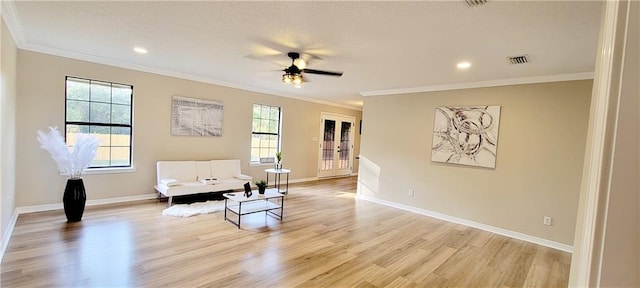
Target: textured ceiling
391	46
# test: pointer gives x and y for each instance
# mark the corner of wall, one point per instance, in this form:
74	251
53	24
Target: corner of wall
8	96
6	235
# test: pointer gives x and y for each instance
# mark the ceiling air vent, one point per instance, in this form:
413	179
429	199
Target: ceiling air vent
521	59
474	3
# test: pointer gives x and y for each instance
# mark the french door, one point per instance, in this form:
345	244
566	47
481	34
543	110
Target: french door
336	145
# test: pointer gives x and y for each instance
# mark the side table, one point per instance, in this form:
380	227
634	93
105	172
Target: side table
277	173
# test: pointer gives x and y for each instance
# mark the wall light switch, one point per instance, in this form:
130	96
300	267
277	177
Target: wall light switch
547	221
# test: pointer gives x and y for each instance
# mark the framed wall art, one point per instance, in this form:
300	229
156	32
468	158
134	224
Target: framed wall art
196	117
466	135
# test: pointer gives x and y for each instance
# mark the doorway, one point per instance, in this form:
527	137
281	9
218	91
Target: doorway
335	157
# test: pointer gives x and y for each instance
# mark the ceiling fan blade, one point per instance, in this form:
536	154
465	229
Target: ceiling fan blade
273	59
321	72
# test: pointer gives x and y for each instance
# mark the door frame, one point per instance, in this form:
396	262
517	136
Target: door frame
337	118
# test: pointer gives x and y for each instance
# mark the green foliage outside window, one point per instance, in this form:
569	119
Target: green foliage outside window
265	135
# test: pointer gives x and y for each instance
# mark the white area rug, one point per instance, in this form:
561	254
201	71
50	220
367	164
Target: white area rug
193	209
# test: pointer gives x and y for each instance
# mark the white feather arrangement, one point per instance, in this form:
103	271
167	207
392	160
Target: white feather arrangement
73	163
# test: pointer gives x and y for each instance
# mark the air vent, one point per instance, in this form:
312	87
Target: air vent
474	3
521	59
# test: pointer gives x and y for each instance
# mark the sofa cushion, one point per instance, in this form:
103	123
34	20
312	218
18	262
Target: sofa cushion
203	169
224	169
243	177
187	188
179	170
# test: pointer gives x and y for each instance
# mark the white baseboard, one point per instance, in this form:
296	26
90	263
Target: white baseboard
122	199
58	206
6	237
485	227
299	180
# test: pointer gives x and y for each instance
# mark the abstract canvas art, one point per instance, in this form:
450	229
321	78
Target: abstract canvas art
466	135
196	117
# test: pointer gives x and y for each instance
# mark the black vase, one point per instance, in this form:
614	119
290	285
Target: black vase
261	189
74	199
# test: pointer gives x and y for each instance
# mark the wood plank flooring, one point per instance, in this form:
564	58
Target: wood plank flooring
327	239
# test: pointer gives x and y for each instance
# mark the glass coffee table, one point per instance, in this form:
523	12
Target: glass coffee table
271	203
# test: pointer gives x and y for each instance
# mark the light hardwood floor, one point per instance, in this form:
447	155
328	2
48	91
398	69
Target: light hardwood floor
327	239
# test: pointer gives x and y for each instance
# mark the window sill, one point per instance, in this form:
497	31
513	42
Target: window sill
94	171
258	164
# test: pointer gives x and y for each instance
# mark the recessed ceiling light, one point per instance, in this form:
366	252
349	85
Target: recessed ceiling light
463	65
140	50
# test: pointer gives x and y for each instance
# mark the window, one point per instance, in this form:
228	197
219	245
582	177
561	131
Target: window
103	109
265	134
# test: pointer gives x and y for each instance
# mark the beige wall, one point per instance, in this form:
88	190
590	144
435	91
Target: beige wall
41	104
8	127
539	157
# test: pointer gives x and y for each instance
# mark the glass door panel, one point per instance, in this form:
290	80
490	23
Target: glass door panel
345	146
328	145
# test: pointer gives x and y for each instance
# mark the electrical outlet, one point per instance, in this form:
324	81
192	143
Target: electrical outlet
411	194
547	220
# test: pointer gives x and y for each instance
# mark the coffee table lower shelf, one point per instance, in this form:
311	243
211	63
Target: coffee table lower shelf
271	203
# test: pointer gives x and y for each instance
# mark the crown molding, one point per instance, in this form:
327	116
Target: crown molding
484	84
11	19
158	71
10	16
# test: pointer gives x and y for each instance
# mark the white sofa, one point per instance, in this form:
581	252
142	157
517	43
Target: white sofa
175	178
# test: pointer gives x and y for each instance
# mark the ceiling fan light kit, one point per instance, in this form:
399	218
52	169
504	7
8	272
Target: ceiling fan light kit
293	75
293	79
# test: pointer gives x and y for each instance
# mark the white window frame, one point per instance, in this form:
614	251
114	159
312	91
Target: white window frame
111	168
252	161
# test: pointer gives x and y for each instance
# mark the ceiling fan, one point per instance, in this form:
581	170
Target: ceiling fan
293	74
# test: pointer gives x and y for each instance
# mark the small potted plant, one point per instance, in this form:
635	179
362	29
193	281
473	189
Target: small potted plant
262	186
279	158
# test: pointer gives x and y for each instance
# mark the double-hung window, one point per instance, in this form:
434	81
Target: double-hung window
105	110
265	134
